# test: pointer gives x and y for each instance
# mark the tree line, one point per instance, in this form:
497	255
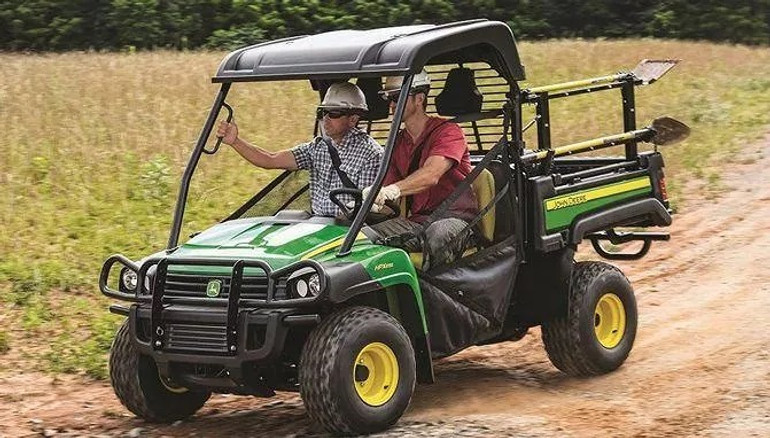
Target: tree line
61	25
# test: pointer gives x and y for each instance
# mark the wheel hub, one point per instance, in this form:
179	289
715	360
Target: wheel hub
609	320
375	374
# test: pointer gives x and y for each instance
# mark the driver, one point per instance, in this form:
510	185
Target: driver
357	155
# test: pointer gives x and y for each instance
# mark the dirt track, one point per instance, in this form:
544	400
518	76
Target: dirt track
700	365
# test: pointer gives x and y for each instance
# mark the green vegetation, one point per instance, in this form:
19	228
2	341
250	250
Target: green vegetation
5	344
94	146
130	24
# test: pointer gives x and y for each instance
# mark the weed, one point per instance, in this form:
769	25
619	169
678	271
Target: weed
155	180
85	351
5	342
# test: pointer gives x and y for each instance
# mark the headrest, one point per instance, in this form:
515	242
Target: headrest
460	94
378	107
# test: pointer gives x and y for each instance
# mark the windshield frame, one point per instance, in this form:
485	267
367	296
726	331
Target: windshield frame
360	217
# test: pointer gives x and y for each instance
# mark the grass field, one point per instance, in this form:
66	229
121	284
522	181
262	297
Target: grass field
93	147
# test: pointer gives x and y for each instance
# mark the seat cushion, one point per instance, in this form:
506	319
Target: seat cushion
484	187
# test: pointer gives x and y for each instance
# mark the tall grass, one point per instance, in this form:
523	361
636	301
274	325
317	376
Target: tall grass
93	147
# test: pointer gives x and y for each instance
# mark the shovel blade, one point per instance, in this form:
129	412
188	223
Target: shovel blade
650	70
668	131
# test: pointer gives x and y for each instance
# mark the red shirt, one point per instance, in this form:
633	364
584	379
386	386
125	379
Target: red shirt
444	139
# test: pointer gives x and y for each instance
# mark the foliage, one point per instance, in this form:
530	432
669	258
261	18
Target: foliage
145	24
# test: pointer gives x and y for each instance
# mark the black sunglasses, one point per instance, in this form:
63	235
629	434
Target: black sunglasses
333	114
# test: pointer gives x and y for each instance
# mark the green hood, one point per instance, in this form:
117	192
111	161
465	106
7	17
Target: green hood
276	244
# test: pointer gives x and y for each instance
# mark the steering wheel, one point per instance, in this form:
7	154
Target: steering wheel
395	209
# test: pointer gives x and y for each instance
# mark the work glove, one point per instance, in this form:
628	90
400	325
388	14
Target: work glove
387	193
391	192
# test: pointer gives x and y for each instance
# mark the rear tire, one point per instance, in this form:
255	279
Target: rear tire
598	332
357	371
139	388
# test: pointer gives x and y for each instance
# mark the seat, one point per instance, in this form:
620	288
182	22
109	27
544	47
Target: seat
460	95
505	209
378	107
484	188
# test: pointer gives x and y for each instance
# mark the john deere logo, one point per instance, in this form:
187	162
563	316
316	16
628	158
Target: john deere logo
214	288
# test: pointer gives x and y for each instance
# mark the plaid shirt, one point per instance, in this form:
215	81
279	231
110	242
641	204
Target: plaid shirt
360	158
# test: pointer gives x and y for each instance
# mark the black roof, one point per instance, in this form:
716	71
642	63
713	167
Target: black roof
376	52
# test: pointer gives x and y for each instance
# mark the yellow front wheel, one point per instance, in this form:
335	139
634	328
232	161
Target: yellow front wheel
375	374
357	371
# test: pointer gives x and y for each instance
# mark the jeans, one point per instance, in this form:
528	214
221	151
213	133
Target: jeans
440	243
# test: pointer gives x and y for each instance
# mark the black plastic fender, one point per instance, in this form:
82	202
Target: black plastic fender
627	213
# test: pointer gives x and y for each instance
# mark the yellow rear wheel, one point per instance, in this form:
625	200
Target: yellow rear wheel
596	333
375	374
609	320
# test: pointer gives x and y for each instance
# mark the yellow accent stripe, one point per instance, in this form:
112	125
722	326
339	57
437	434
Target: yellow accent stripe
610	140
562	201
331	245
583	83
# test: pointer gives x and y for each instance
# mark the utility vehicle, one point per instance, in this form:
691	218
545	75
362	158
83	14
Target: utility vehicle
291	301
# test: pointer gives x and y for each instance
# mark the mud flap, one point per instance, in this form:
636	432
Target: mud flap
466	303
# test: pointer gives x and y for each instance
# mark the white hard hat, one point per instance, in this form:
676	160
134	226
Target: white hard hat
344	95
393	83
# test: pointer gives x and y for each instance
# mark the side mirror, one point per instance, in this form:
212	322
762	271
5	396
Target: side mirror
668	131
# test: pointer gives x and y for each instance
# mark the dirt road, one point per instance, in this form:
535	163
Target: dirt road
700	365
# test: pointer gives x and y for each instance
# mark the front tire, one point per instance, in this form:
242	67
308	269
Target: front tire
139	388
598	332
357	371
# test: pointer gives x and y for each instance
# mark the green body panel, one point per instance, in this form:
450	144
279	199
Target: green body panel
276	244
560	211
282	244
387	265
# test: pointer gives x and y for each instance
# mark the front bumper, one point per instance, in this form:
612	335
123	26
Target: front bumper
198	337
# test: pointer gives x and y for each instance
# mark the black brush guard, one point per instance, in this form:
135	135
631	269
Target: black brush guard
273	313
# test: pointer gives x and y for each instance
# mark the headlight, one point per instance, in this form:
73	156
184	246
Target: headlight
300	287
129	279
304	284
314	284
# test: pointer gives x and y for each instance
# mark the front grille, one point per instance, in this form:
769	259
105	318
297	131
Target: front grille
190	285
197	338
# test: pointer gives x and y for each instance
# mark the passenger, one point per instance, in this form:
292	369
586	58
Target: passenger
359	154
430	158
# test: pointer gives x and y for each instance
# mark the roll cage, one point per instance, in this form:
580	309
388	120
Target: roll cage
480	51
342	55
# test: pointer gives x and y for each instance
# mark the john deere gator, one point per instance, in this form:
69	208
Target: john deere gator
276	298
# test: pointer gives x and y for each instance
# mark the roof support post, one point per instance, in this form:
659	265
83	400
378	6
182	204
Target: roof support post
181	201
629	116
543	121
